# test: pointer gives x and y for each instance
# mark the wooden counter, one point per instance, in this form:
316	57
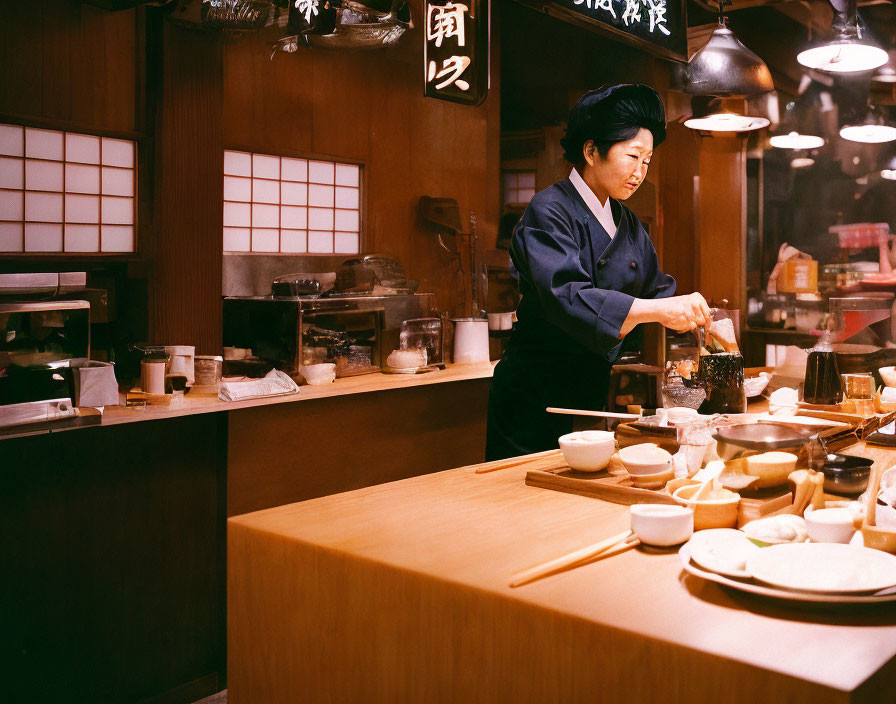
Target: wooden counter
116	533
398	593
199	400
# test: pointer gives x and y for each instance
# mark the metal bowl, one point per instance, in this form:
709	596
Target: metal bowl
738	440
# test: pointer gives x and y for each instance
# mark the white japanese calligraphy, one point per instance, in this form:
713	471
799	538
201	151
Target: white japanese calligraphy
446	22
605	5
307	8
451	70
632	12
656	10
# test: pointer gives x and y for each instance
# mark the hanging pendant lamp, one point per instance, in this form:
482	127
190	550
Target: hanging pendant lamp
802	126
847	51
872	129
710	114
725	67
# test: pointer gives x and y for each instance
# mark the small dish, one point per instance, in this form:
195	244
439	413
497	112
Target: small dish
830	525
823	567
770	468
722	550
661	524
652	481
645	458
709	513
588	450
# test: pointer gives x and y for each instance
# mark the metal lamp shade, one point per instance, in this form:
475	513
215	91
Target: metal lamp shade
725	67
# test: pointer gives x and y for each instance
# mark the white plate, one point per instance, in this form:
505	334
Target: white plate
785	594
722	550
824	567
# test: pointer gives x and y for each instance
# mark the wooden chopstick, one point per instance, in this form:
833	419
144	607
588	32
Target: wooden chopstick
592	553
495	465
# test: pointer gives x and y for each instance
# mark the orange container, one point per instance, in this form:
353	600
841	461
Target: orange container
798	276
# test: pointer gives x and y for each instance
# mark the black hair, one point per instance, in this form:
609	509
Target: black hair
611	115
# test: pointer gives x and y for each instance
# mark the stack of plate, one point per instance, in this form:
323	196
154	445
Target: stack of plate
831	573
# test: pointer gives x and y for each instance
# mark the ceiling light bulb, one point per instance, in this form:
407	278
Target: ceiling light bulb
889	174
801	162
843	57
726	122
869	134
795	140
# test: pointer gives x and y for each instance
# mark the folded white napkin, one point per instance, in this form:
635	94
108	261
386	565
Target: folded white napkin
274	383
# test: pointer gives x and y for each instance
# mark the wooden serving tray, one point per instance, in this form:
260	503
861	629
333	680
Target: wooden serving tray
618	489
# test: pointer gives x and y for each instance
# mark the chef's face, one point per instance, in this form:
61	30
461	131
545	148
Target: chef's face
624	168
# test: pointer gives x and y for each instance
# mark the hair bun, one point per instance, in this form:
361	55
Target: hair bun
613	114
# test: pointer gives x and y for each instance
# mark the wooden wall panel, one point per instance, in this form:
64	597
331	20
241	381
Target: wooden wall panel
679	158
369	107
189	183
722	220
67	62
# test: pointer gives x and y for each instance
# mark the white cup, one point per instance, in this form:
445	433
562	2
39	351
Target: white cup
319	374
470	340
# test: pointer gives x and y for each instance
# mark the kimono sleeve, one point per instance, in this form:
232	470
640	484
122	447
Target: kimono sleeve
545	252
656	283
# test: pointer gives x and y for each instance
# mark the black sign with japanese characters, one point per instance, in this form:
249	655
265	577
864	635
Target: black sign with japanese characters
456	51
659	26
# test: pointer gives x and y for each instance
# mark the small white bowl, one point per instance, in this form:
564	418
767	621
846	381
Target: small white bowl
830	525
319	374
888	375
681	414
662	524
646	458
588	450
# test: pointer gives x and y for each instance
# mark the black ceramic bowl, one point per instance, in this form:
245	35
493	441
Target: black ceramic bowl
846	474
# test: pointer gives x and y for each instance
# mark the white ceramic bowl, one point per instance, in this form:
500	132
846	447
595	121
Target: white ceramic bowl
588	450
681	414
830	525
318	374
646	458
888	375
662	524
653	481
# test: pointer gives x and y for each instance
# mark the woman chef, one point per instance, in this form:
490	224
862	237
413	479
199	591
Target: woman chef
588	274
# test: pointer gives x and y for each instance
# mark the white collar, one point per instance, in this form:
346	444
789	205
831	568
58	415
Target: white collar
603	212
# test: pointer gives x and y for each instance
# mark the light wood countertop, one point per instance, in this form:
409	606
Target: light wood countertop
403	588
199	400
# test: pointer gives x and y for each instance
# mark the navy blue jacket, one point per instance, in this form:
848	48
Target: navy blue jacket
577	285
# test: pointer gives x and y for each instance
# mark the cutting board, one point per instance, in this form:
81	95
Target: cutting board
618	489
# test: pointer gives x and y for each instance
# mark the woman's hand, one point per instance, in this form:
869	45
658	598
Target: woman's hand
679	313
683	312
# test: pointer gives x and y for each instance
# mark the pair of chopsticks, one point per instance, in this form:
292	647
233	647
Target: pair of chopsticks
514	461
592	553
